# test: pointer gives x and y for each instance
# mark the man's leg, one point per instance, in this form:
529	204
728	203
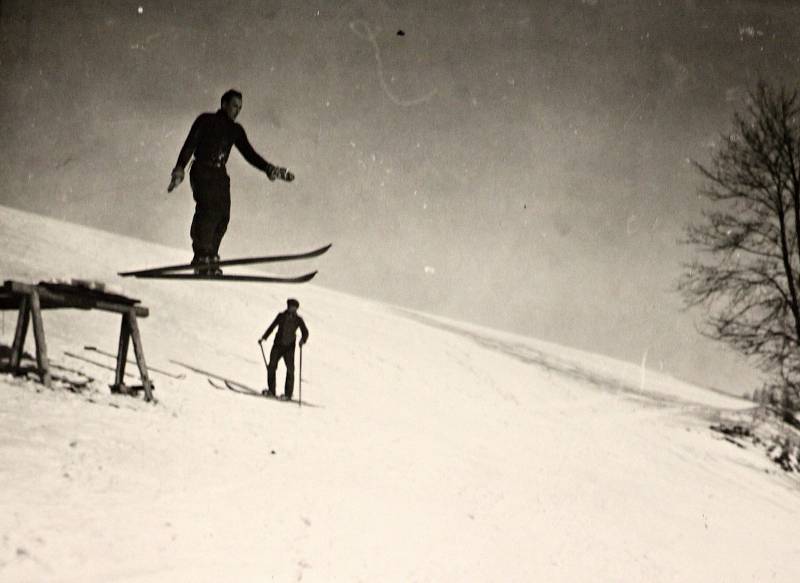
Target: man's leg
288	359
211	188
222	212
201	233
274	358
204	220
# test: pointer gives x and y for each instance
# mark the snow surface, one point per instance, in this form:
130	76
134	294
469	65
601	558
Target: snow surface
437	450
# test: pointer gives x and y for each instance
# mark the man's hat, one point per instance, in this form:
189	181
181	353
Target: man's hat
292	302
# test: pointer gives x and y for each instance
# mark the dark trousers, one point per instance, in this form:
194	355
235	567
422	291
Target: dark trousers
211	188
278	352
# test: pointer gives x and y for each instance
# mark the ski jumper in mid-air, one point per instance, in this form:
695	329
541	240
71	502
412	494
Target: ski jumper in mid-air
287	323
210	141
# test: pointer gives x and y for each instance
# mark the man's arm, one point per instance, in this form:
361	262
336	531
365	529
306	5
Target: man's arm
248	152
272	326
244	147
303	332
185	154
190	144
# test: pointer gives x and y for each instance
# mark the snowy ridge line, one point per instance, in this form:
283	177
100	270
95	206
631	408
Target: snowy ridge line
595	374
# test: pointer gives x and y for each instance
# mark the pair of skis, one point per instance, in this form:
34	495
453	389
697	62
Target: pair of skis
245	390
180	271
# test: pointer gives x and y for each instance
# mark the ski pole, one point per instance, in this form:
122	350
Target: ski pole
264	356
300	396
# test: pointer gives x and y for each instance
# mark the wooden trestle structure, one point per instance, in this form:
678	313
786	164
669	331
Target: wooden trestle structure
30	299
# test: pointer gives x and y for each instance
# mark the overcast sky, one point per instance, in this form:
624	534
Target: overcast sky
523	164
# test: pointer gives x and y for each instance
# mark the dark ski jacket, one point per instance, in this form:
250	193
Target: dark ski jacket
287	324
211	138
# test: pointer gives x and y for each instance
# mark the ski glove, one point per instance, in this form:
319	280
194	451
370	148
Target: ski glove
176	179
274	172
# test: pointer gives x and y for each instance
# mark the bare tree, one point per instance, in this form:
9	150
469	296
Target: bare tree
749	283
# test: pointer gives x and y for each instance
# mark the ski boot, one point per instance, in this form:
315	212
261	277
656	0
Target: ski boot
203	265
215	270
200	263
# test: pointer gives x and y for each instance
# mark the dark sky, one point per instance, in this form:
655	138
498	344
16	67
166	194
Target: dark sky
523	165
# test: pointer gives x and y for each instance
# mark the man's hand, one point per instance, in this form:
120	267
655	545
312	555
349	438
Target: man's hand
274	172
302	342
177	178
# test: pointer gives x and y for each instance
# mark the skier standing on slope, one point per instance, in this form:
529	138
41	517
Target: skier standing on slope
210	141
287	323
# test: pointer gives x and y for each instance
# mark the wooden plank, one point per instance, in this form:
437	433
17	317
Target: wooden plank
122	351
140	311
139	350
72	288
23	320
18	286
51	299
38	333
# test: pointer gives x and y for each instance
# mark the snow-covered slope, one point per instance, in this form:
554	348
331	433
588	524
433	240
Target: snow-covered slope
437	451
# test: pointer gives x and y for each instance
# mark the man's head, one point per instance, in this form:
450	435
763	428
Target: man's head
292	305
231	103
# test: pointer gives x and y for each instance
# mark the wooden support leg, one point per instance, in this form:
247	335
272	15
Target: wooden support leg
23	320
122	351
139	351
42	362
